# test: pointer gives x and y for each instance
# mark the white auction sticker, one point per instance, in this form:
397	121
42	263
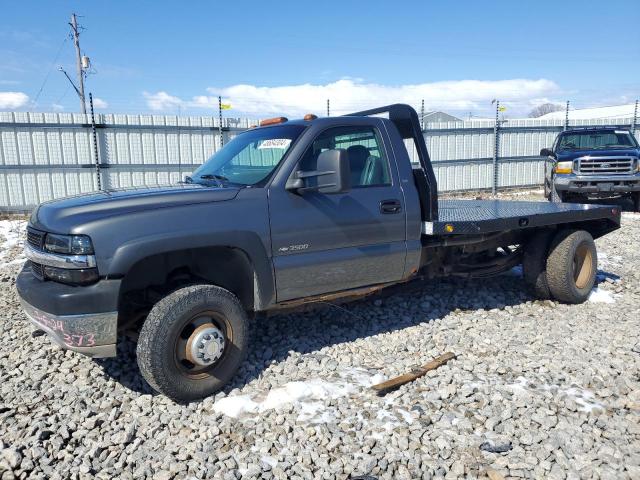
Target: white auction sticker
623	132
275	143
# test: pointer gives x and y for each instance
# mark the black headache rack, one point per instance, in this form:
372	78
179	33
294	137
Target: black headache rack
406	121
473	217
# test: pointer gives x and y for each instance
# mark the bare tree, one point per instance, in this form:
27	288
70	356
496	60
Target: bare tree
544	109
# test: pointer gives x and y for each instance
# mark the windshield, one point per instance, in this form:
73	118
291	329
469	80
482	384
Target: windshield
249	158
596	140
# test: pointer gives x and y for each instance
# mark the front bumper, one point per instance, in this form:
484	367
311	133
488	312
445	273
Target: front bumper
81	319
600	184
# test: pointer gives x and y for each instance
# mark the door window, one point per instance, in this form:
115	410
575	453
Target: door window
369	166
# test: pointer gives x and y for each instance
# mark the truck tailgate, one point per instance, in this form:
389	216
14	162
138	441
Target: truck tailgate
456	217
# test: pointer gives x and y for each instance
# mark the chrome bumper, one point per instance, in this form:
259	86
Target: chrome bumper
92	334
597	183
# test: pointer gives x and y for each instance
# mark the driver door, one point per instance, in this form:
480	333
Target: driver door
323	243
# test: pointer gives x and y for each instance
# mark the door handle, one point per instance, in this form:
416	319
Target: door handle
390	206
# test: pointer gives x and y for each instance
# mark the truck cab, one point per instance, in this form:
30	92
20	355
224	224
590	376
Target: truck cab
598	162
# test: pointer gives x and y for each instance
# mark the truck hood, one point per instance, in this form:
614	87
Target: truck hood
60	216
567	155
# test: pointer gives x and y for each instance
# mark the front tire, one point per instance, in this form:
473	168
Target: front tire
571	266
193	342
636	202
556	196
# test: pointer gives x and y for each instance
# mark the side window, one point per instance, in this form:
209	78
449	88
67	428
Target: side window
365	151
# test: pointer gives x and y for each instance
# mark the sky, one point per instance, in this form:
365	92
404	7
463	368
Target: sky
289	57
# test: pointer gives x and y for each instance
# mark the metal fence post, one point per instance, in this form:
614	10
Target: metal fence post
566	116
635	118
496	148
95	143
220	120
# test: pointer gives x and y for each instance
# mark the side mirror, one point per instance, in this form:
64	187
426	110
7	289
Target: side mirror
332	175
545	152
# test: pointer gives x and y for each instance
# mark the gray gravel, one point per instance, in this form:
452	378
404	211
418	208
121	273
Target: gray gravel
539	390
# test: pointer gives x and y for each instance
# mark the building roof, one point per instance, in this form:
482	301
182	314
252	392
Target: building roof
617	111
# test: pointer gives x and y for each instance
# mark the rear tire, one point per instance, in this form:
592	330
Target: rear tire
166	343
572	266
534	264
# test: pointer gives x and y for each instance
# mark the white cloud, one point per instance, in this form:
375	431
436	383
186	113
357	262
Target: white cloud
352	94
162	101
13	100
57	107
99	103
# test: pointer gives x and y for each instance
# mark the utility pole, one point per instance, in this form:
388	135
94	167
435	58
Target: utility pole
76	43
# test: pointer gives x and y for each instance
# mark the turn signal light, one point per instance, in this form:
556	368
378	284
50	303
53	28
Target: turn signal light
309	116
273	121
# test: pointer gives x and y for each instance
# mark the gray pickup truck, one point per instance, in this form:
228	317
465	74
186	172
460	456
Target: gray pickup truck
286	214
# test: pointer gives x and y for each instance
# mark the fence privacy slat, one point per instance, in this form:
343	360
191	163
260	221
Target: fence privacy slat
44	156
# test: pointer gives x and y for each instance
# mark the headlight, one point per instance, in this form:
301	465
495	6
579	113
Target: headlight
83	276
68	244
563	167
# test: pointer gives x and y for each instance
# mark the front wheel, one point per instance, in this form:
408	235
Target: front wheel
555	196
193	342
636	202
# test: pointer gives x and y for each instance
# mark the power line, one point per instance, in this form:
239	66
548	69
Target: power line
55	60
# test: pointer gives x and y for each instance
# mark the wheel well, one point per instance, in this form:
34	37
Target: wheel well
153	277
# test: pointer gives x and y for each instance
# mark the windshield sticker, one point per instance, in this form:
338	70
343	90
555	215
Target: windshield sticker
275	143
622	132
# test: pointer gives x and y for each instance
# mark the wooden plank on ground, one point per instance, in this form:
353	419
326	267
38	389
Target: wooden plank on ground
396	382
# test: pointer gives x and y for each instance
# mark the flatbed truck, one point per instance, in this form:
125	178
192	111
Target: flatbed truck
287	214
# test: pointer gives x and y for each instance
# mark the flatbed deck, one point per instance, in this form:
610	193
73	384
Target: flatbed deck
465	217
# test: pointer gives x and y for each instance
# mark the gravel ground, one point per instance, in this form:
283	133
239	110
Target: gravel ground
539	390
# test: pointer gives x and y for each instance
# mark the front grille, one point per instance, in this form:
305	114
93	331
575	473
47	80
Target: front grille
35	238
37	270
606	165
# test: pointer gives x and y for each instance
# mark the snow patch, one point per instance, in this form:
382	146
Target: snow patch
519	386
11	236
306	396
272	462
585	399
598	295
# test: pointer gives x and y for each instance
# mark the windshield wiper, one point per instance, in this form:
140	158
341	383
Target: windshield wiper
209	176
213	176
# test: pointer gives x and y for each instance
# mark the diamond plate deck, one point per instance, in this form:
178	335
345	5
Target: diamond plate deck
487	216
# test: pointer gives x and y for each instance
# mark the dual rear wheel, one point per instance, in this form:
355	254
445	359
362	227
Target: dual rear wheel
561	265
